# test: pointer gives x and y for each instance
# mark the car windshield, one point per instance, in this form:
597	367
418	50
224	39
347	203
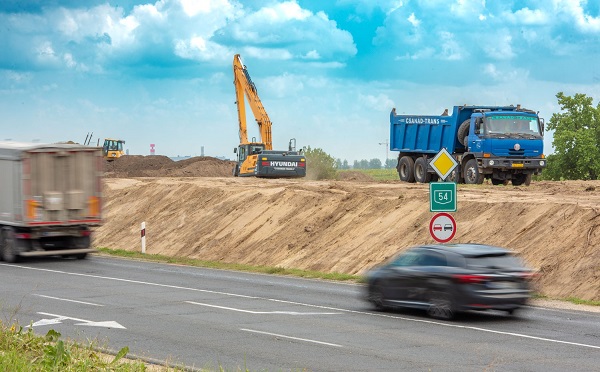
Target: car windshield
495	262
512	125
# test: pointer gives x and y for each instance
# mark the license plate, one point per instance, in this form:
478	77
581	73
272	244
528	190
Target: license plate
503	285
517	165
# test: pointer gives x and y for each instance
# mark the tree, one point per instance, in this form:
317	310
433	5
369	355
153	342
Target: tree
391	163
576	139
375	163
319	164
345	164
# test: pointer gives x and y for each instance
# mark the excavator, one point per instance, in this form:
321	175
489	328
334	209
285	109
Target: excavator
257	158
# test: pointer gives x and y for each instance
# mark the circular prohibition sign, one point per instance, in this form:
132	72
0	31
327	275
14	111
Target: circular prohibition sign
442	227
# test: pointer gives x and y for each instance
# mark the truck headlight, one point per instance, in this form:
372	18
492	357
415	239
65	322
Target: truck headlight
542	163
491	162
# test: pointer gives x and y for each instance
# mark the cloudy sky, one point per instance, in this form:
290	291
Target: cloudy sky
328	72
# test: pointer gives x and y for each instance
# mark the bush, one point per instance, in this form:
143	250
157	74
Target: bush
319	164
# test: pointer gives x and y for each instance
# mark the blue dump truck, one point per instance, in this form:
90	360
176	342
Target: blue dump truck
500	143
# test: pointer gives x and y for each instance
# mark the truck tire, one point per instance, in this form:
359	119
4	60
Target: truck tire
236	170
472	174
406	169
455	176
421	174
463	132
9	253
521	179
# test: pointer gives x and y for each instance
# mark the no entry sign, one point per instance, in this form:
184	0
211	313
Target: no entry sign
442	227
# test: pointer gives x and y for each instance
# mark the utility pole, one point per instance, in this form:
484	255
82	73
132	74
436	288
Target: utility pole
387	144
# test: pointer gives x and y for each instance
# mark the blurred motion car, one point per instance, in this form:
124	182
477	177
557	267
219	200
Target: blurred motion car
445	279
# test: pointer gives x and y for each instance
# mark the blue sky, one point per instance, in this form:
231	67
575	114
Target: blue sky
328	72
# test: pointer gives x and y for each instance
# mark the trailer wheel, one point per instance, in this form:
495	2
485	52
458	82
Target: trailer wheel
8	246
472	174
463	132
421	174
406	169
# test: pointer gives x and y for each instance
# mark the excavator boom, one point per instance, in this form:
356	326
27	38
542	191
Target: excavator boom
257	158
244	85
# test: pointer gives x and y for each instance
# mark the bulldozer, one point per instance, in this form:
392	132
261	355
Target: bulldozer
112	149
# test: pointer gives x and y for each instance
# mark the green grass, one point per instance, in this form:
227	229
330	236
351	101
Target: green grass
22	350
378	174
230	266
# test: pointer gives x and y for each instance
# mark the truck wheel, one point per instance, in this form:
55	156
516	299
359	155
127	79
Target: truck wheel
463	132
520	179
9	253
421	174
496	181
472	174
527	180
455	176
406	169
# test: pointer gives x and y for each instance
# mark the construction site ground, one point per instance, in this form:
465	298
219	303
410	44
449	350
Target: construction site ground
195	208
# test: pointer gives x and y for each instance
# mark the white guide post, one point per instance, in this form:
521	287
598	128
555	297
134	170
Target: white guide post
143	237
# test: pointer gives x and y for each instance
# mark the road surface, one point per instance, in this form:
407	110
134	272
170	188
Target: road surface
206	318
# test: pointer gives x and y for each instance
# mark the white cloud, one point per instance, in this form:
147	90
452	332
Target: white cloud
451	49
505	75
267	53
574	9
286	85
498	45
380	102
413	20
467	8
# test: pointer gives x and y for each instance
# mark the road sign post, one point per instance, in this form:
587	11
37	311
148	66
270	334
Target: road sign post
442	196
442	227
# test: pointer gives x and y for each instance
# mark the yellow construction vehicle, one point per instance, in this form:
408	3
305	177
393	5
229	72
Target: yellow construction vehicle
112	149
257	158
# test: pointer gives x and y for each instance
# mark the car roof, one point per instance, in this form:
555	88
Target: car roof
469	249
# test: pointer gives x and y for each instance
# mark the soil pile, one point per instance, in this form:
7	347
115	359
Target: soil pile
162	166
348	226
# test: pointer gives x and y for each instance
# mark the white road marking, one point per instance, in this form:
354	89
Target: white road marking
258	312
60	318
309	305
65	299
290	337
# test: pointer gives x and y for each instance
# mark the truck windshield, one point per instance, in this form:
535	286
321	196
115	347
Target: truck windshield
512	125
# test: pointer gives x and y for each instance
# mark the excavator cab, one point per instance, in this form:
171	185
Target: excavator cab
112	149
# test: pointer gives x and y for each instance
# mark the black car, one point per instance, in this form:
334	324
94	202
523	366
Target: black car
446	279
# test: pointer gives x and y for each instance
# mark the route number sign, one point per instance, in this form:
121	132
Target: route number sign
442	196
442	227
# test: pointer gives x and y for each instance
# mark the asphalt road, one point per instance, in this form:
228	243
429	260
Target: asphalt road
204	318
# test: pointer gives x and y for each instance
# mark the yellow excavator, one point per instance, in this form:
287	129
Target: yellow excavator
257	158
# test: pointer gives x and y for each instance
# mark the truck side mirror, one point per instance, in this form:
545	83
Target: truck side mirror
542	125
478	126
235	150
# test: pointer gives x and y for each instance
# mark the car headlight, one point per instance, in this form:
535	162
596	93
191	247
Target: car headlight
542	163
491	162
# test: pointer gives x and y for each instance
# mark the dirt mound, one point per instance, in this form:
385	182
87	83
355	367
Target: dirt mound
348	226
354	176
162	166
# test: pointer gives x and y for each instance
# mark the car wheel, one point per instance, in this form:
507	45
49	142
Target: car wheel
376	297
440	306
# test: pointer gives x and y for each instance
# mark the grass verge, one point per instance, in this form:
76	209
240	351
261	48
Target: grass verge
231	266
22	350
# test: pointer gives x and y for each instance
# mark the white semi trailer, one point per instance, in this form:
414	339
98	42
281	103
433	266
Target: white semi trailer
50	199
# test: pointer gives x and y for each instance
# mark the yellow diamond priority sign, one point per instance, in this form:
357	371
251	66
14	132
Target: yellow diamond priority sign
443	163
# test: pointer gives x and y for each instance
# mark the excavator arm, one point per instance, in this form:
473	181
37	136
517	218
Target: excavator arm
245	86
